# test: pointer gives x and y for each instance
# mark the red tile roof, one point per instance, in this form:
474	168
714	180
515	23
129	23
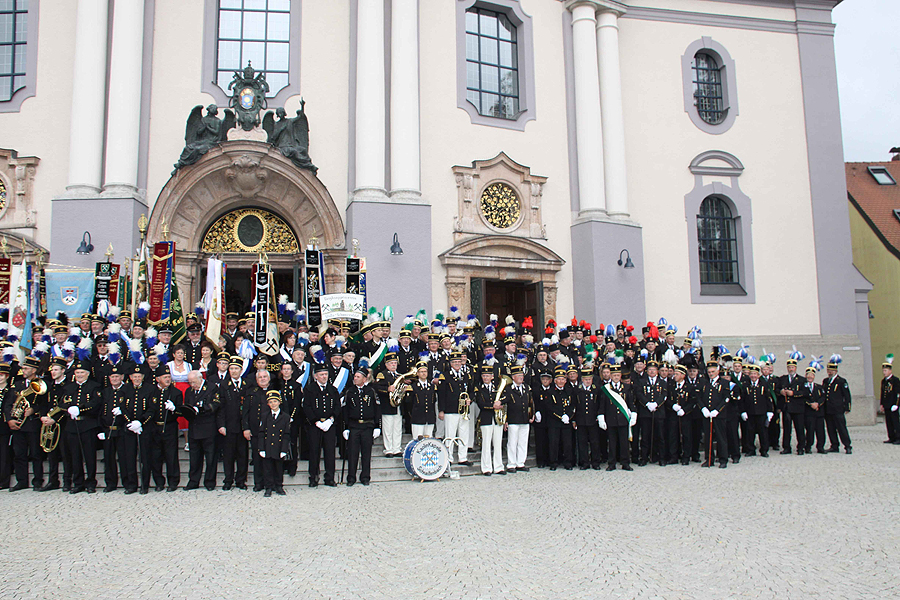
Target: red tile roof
877	202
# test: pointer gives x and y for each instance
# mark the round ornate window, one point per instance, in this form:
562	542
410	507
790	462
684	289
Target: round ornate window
500	205
2	195
250	230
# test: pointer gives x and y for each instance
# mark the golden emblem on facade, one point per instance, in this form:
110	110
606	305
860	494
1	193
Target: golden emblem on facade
250	230
500	205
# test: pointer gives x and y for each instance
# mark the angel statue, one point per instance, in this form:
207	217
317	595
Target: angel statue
290	136
202	133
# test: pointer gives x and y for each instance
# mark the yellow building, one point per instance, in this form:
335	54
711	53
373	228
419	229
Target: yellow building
875	230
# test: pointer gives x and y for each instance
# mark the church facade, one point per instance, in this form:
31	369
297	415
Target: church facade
592	158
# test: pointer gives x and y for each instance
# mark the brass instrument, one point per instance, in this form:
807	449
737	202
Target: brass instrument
463	407
500	413
401	386
22	403
50	436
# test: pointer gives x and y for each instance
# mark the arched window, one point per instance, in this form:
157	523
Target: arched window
708	92
257	31
717	242
492	63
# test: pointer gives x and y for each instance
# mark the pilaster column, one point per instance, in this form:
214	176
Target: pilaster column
370	98
405	140
588	131
613	118
124	112
88	97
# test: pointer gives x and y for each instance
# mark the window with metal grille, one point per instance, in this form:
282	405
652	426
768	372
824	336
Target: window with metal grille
492	63
717	242
13	48
257	31
708	93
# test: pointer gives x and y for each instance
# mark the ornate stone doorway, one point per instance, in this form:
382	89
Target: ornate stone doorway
241	198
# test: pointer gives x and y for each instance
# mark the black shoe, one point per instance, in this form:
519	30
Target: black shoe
723	465
130	491
705	464
110	488
800	452
776	447
144	491
833	449
331	483
662	464
90	489
268	494
787	451
750	453
241	486
627	468
364	483
171	488
511	471
896	442
569	468
465	463
584	467
488	474
193	486
611	468
160	488
672	461
226	487
695	459
292	473
822	451
849	451
807	450
67	487
504	472
281	492
350	483
596	467
526	469
685	463
642	463
764	454
888	442
552	468
53	485
257	488
19	486
313	484
77	489
736	459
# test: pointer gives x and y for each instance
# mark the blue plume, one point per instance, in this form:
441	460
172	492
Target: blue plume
661	324
723	350
816	363
83	353
364	363
319	356
796	354
610	330
393	346
743	352
835	359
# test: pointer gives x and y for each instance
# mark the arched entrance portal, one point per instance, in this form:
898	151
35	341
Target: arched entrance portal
241	198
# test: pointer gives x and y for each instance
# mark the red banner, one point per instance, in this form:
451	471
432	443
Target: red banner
161	281
114	285
5	274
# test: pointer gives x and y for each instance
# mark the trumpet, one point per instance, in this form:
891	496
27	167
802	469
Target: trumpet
401	386
500	413
23	403
463	407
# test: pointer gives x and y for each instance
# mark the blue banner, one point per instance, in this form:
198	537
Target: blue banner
69	291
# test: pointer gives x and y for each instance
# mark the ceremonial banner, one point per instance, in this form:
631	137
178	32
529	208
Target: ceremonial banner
214	269
342	306
42	293
70	291
106	286
362	288
31	303
314	287
5	274
161	281
352	275
18	307
141	288
261	317
176	315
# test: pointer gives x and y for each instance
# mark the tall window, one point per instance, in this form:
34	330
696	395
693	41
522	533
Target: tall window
13	31
717	242
708	93
257	31
492	63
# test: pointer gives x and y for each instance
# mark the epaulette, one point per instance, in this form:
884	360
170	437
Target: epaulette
379	376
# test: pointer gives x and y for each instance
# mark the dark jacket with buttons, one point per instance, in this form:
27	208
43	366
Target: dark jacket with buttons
519	405
362	408
88	400
206	402
756	399
275	434
837	395
231	405
587	405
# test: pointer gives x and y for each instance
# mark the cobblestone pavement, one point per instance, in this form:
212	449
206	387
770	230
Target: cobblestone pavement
785	527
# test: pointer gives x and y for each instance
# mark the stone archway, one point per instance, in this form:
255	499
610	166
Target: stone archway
242	174
500	257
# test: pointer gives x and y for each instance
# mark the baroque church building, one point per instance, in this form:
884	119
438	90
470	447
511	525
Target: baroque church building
600	159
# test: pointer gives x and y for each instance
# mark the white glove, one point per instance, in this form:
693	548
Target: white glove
321	425
262	453
713	414
676	407
651	406
565	419
680	413
101	436
601	421
769	417
116	411
376	433
284	455
537	417
196	410
705	412
894	408
744	416
346	434
135	426
327	424
74	411
170	406
633	420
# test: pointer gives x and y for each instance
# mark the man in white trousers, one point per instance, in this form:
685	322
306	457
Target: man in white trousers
391	419
519	416
453	389
491	433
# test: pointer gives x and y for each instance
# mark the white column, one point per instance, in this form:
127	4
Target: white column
88	96
405	97
613	118
370	102
124	111
588	132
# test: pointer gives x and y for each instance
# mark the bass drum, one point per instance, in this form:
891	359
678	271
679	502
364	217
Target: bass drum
426	459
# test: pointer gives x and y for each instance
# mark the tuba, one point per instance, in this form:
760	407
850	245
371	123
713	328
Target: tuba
22	403
500	413
463	407
401	387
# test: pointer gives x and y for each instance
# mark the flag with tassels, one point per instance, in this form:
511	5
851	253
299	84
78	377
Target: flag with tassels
213	298
176	315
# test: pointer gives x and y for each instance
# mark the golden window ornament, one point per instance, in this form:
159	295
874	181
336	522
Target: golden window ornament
250	230
500	205
2	195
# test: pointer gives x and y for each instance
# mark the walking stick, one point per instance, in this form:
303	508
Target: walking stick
709	452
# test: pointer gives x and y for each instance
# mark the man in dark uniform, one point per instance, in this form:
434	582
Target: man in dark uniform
452	383
651	400
113	423
756	411
202	398
391	419
56	382
26	428
255	403
321	405
7	397
292	405
362	418
791	388
587	428
815	412
160	437
561	412
541	396
232	394
519	416
192	344
684	406
82	401
617	419
714	393
890	401
837	404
